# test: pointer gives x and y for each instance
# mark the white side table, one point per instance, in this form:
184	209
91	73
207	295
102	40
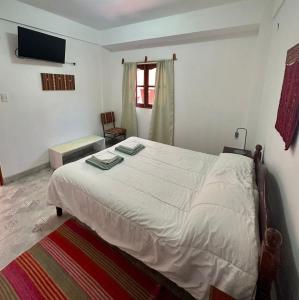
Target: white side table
57	153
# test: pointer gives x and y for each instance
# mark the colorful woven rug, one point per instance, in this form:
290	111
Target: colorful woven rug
74	263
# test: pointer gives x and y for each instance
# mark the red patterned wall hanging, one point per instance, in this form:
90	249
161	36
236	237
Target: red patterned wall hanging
57	82
288	111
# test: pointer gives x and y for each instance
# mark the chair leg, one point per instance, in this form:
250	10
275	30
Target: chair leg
59	211
1	178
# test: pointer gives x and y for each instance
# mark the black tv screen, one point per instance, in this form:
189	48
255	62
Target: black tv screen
37	45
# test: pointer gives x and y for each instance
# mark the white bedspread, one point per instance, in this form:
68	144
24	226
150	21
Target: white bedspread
189	215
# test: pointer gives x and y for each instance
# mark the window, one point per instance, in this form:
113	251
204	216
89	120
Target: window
145	88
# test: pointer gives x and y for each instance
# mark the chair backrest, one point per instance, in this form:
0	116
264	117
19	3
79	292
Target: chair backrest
107	118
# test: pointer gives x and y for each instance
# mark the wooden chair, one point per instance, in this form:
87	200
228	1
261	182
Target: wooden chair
1	178
111	133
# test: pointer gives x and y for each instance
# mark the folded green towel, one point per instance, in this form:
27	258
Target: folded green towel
105	157
104	166
128	151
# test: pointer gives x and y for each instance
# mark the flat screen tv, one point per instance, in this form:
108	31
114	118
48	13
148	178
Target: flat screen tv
37	45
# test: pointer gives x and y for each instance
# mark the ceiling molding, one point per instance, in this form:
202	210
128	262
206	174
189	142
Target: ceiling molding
197	37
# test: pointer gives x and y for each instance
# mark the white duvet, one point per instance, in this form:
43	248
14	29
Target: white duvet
189	215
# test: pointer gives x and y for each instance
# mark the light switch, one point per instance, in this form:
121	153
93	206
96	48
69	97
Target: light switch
4	97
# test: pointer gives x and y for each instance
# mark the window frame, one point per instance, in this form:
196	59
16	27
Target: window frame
146	67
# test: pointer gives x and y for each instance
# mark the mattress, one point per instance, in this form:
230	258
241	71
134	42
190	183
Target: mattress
189	215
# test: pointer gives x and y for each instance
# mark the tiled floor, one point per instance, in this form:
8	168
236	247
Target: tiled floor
25	217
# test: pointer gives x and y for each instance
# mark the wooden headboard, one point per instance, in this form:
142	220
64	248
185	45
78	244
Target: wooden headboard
271	239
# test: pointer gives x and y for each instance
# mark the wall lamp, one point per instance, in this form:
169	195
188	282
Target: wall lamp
237	135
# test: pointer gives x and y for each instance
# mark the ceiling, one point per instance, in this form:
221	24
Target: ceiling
102	14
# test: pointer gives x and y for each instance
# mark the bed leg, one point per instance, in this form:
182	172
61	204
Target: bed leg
269	263
59	211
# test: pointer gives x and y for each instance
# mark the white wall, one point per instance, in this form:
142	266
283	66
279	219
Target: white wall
212	82
259	69
33	119
283	165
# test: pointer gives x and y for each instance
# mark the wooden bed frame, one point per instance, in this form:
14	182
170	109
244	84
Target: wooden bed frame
271	239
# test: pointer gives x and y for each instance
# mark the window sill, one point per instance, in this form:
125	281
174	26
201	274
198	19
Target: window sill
144	107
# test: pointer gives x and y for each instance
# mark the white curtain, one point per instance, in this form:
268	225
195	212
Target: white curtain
162	120
129	116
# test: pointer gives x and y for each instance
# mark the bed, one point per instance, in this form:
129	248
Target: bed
193	217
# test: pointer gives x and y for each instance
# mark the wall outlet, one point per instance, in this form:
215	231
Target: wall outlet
4	97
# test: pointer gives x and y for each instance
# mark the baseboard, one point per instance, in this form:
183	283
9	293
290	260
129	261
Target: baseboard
31	171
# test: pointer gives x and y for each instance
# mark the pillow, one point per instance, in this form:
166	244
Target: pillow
229	184
232	169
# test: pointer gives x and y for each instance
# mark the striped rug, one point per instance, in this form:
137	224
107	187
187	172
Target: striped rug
74	263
